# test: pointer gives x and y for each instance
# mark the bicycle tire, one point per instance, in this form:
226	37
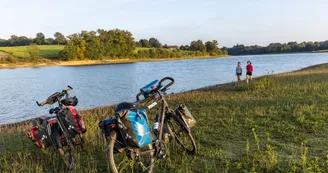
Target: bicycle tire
180	129
112	154
67	157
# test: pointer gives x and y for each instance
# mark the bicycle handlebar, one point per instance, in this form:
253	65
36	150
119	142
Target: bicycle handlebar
158	88
168	85
57	95
138	95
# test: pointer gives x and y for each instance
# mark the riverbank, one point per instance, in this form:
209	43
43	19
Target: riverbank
276	124
48	63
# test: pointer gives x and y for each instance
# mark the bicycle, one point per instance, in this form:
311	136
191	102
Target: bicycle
56	127
171	126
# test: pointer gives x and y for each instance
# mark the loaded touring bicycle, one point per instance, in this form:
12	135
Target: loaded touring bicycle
131	145
65	129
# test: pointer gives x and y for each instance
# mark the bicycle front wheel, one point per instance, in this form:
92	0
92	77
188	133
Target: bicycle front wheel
183	137
67	156
130	160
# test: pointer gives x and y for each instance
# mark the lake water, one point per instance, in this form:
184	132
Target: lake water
101	85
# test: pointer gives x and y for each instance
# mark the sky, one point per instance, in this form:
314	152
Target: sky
174	22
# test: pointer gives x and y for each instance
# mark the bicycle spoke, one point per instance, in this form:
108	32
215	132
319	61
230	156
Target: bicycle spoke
130	160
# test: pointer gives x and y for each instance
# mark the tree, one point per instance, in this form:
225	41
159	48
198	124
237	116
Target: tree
154	43
197	46
138	44
285	48
120	43
293	46
212	46
93	45
49	41
144	43
40	39
74	49
309	46
184	47
60	38
33	51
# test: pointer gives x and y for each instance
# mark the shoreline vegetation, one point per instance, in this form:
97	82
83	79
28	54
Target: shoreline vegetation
97	47
278	123
49	63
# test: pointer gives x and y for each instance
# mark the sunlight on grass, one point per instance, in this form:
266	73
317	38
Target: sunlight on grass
46	51
280	125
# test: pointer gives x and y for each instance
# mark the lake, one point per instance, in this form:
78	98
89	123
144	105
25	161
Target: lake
101	85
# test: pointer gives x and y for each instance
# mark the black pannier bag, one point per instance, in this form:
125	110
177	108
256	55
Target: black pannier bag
39	133
108	125
71	121
185	114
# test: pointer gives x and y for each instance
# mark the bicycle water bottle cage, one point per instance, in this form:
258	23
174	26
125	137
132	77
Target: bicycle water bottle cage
149	87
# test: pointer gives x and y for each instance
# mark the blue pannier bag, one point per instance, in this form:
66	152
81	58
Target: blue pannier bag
134	127
149	87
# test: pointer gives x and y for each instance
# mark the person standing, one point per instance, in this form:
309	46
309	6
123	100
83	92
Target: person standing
249	73
239	72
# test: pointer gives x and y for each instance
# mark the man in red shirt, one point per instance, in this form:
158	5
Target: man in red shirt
249	73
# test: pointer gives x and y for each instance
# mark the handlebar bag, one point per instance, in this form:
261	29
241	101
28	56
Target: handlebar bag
149	87
72	121
134	127
185	114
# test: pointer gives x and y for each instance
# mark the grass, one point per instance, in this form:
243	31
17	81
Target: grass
276	124
320	51
46	51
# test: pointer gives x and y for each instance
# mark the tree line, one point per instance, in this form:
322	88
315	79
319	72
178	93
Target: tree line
118	44
290	47
40	39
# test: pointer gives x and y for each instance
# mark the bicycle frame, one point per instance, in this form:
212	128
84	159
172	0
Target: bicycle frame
161	137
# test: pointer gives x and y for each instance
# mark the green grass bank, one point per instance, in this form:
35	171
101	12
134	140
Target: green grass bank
46	51
276	124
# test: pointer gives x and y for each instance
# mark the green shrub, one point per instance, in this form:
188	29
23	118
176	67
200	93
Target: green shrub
33	51
153	53
11	59
213	54
241	87
263	83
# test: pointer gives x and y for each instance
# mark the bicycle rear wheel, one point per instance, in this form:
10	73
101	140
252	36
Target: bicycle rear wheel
183	137
130	160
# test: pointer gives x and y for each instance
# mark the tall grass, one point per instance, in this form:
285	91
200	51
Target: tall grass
281	127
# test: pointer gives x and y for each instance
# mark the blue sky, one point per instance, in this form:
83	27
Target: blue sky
173	21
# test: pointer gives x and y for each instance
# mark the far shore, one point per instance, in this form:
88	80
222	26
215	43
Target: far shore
95	62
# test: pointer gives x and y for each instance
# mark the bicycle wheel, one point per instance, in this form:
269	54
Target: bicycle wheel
181	134
130	160
67	156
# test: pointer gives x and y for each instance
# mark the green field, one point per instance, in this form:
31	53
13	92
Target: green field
46	51
279	123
